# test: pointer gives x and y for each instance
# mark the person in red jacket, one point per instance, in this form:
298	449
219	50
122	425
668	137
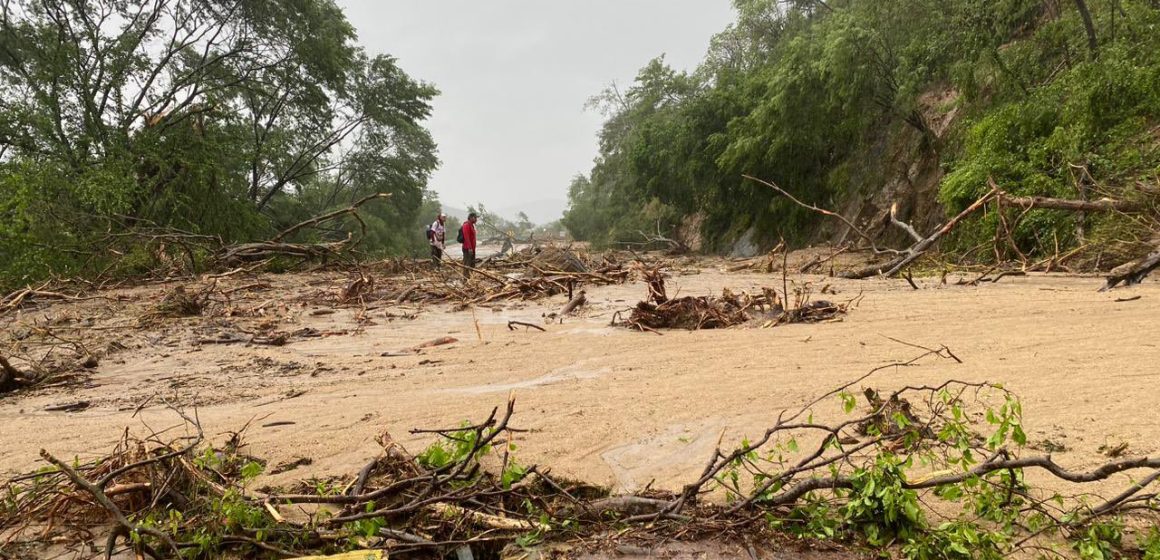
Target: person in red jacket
468	230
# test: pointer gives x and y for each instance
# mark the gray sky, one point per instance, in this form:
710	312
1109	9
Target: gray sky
515	74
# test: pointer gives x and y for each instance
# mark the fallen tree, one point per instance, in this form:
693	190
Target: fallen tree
1132	272
1046	203
922	244
902	258
1127	274
234	255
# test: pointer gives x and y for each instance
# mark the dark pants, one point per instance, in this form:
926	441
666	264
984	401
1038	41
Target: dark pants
436	255
468	260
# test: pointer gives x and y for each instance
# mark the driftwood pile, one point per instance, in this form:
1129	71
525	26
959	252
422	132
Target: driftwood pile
528	275
185	497
767	309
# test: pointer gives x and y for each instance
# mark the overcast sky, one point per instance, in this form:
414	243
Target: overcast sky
515	74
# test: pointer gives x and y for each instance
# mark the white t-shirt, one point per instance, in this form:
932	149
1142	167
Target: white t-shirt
439	237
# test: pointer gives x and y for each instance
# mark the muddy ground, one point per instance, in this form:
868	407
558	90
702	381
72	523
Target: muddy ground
604	404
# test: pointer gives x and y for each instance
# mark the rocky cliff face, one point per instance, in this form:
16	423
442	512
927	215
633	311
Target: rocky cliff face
905	167
901	165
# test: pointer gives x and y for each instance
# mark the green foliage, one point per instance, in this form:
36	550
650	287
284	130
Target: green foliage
813	98
210	516
878	498
957	540
459	446
879	507
230	122
1150	545
1094	115
512	473
367	528
792	94
1101	540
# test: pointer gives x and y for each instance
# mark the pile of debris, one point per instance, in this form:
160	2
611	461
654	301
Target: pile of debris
530	274
466	495
164	498
766	309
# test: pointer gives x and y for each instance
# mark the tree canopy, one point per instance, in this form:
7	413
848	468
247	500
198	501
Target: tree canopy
816	95
222	117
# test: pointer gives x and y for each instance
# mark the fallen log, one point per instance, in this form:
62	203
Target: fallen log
918	249
1132	272
575	303
902	258
1101	205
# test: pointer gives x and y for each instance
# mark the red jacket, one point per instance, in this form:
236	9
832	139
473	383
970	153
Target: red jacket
469	236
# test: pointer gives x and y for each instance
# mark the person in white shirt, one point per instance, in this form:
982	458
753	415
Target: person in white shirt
437	237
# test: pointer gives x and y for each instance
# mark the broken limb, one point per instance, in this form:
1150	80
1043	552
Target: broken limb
352	209
579	301
1132	272
918	249
825	212
1101	205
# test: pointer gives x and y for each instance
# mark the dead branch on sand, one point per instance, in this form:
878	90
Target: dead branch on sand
1133	272
959	441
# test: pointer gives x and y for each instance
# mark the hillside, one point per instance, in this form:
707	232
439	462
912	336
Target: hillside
856	106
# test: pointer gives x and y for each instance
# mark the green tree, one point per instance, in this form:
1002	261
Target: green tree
230	118
826	98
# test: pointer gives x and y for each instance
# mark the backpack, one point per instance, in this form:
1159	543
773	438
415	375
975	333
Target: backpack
430	233
459	238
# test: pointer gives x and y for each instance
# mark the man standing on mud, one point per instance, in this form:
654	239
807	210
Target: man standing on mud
437	237
468	231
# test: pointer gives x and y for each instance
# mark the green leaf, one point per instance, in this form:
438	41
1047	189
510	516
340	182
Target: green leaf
1018	436
251	470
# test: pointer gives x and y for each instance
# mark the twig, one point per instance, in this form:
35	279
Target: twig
513	324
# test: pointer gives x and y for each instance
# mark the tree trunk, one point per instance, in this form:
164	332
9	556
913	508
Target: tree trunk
1101	205
1088	26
